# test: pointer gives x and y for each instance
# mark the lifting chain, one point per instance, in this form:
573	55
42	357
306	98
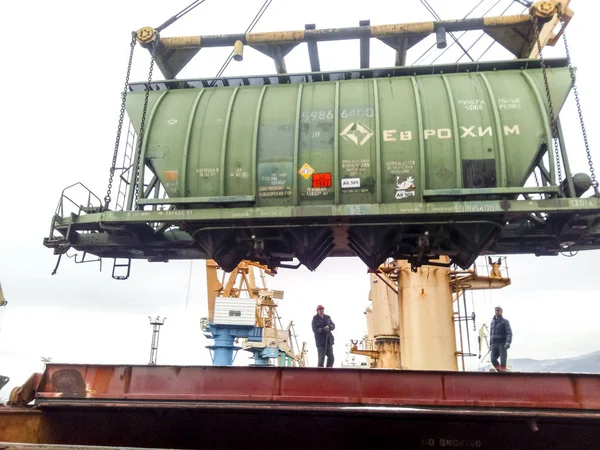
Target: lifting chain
107	199
143	122
553	122
578	102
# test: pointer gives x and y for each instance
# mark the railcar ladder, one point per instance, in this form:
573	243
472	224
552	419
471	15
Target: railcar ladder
126	166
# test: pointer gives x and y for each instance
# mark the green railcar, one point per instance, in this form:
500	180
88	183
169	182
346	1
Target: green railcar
409	163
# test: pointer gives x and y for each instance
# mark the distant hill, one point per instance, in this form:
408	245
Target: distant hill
589	363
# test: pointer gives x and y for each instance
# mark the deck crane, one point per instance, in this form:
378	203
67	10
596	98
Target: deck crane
414	317
258	321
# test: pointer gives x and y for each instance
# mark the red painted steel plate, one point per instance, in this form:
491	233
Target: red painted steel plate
308	385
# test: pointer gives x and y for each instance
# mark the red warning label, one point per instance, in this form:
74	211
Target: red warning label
321	180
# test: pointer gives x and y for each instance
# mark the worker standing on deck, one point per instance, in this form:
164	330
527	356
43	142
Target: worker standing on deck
500	339
322	326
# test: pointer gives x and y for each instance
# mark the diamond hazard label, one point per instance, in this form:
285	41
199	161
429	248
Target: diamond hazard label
306	171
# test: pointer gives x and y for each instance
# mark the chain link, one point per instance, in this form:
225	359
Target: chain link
553	122
143	122
579	110
107	199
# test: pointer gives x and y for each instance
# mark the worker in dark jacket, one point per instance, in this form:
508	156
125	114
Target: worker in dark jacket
322	326
500	339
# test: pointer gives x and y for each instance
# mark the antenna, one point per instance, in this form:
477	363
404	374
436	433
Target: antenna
156	324
46	360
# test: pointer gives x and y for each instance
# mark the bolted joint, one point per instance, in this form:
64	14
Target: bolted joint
544	9
146	35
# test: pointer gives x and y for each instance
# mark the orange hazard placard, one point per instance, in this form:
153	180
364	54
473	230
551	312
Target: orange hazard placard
321	180
171	175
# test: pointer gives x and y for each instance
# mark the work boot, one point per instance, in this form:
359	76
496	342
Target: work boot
497	367
502	369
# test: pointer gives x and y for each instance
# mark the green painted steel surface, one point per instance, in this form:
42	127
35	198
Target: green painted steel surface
364	141
407	163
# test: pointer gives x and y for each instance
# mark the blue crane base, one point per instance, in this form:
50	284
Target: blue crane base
224	336
263	356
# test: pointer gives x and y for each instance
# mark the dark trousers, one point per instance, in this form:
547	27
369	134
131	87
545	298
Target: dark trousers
498	351
322	353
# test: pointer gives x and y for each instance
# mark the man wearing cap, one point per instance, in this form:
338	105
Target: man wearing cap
500	339
322	327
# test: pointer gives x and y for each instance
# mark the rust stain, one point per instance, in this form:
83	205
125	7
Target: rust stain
69	382
444	394
576	393
98	379
276	390
126	378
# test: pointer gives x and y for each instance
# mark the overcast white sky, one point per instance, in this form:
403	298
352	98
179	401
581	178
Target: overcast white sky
63	70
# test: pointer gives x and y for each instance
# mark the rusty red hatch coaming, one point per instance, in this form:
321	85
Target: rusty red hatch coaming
226	408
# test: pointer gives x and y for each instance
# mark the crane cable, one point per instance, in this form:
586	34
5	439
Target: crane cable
187	295
179	15
492	44
438	18
522	2
483	34
257	17
464	32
